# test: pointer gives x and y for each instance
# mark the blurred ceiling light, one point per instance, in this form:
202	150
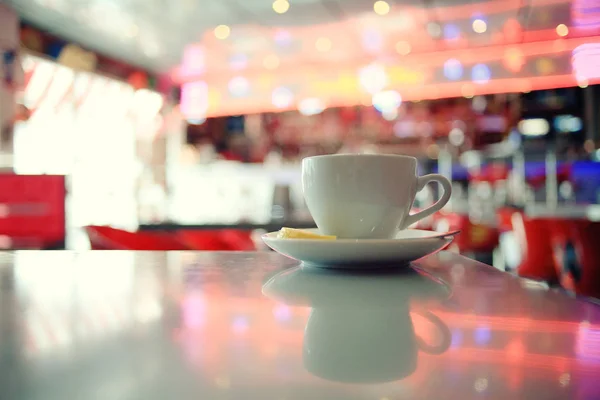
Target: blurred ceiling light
323	44
403	48
534	127
373	78
282	97
390	115
451	31
281	6
222	32
381	7
545	66
562	30
311	106
583	83
239	86
434	30
481	73
271	61
453	69
387	100
479	26
512	30
514	59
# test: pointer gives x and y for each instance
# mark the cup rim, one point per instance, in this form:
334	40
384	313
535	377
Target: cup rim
359	155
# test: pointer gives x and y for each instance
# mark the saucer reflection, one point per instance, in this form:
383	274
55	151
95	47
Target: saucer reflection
360	328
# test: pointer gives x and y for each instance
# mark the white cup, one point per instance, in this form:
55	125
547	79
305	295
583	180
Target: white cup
366	196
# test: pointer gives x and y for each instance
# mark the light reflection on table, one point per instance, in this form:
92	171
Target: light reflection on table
188	325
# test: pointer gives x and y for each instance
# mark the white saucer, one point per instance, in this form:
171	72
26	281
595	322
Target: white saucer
408	245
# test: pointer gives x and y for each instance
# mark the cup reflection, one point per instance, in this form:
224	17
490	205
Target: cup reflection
360	328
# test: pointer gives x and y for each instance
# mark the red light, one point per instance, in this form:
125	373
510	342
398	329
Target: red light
514	59
515	350
513	32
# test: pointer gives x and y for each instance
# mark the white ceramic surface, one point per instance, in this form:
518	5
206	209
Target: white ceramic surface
408	245
363	196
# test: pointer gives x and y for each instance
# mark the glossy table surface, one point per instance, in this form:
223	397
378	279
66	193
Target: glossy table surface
179	325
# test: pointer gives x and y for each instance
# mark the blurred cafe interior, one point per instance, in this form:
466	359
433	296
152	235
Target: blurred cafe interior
166	125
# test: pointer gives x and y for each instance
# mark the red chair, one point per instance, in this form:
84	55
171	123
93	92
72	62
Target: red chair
108	238
473	238
537	261
32	211
505	215
203	240
238	240
217	240
577	255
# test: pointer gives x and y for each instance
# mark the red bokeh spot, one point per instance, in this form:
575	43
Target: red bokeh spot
513	31
514	59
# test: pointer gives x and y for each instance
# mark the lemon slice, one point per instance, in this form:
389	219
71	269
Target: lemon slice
291	233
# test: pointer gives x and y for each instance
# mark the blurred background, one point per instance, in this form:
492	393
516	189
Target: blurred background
189	119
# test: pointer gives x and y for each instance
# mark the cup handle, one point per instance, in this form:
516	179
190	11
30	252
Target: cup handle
421	182
445	332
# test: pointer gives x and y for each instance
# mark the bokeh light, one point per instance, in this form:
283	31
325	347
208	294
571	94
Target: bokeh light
239	86
481	73
451	31
562	30
513	31
453	69
282	97
456	137
387	100
381	7
479	26
373	78
513	59
222	32
311	106
281	6
482	335
545	66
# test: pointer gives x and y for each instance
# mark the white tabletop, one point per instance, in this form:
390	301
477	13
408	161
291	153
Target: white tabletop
176	325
